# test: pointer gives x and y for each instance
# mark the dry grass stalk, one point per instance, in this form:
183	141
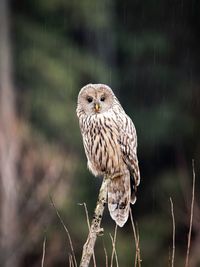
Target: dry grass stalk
191	217
136	238
66	230
71	264
95	230
106	254
87	216
43	251
174	229
113	248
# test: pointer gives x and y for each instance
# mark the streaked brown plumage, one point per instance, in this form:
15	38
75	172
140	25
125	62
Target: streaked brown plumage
110	144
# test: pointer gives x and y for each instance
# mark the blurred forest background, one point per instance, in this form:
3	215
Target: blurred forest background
148	53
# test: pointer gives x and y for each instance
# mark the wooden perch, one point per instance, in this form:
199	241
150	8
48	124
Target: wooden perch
95	229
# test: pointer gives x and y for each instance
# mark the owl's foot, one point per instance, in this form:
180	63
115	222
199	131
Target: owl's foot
100	232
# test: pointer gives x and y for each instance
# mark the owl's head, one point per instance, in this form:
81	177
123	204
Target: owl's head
95	99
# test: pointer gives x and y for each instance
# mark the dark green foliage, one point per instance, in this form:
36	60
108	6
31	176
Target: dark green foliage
148	52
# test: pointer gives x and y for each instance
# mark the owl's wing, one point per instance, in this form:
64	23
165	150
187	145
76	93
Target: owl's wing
128	144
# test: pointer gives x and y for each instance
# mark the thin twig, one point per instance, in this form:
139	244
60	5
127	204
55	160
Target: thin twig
106	254
43	251
70	261
115	253
174	229
66	230
113	247
138	241
136	237
71	264
191	217
88	223
86	213
95	229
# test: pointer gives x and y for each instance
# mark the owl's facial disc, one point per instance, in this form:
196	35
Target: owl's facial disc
95	99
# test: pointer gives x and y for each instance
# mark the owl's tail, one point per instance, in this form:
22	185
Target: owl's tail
119	198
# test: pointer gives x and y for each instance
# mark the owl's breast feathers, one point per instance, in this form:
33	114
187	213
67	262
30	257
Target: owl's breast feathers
101	143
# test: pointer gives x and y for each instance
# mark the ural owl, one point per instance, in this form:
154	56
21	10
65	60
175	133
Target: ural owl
110	144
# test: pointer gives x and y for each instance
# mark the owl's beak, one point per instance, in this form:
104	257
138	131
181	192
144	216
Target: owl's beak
97	107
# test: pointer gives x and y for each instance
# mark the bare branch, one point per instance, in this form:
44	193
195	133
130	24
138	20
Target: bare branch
95	229
88	223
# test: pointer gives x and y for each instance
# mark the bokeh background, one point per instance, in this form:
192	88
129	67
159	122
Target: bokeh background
148	53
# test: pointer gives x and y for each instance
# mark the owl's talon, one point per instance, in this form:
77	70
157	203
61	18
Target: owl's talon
100	232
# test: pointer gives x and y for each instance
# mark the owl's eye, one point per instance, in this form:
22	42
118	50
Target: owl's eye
89	99
102	98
